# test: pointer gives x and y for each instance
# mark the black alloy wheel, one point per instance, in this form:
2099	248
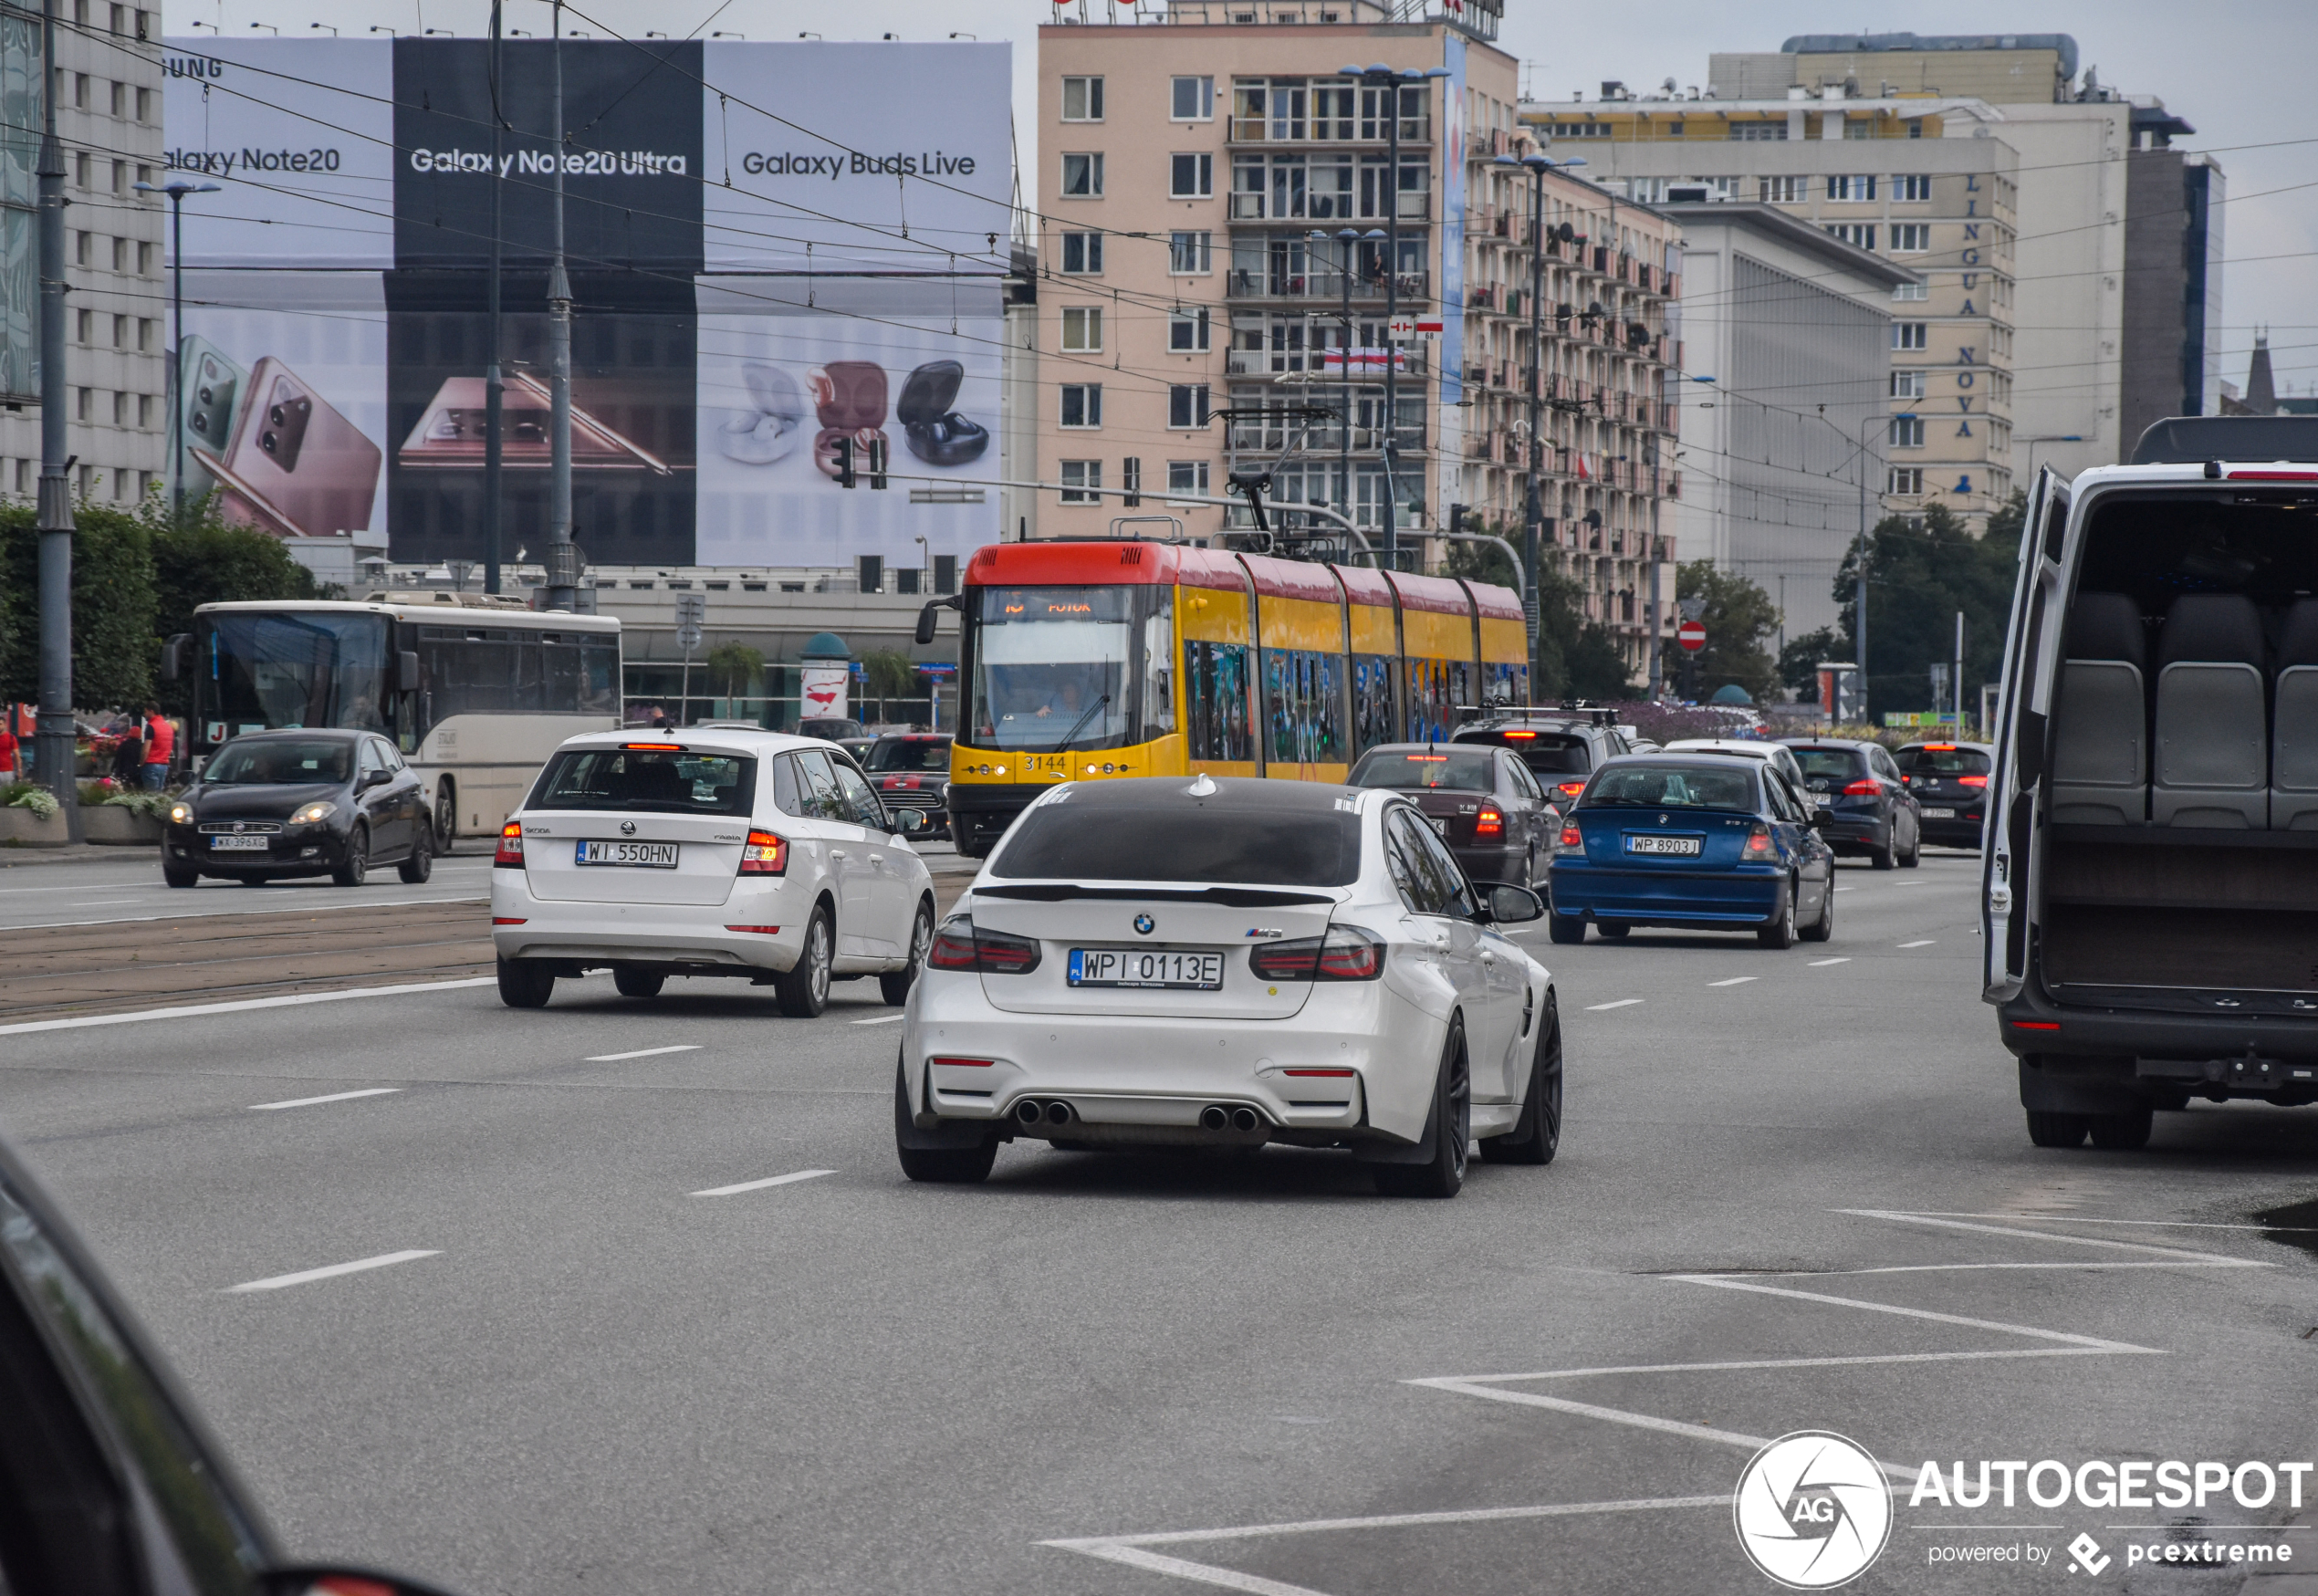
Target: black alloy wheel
1779	932
420	865
1450	1125
357	862
894	986
1537	1135
803	989
945	1165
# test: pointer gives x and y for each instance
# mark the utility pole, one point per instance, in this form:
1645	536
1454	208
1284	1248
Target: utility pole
177	192
494	385
53	740
563	562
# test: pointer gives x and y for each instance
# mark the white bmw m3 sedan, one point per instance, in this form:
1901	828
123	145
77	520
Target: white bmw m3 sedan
1227	963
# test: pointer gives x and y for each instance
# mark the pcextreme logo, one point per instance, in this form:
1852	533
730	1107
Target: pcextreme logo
1812	1510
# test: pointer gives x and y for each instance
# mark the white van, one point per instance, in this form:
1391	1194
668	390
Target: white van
2150	916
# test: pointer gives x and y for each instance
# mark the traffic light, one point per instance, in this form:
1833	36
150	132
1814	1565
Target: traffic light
877	462
845	476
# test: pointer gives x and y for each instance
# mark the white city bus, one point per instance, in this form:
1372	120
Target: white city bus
477	694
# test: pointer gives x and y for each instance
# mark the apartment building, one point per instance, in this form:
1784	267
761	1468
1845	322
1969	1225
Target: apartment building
2118	304
1924	180
106	80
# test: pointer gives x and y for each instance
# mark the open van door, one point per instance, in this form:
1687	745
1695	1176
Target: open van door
2022	715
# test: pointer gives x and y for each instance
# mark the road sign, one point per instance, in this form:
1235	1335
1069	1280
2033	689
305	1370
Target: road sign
1409	327
687	636
1691	636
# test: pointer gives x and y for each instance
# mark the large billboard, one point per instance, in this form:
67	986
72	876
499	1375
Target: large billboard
772	247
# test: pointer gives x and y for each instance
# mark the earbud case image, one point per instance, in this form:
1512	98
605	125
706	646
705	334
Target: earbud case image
937	433
770	430
849	397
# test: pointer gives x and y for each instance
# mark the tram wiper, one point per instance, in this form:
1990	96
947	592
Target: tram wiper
1080	724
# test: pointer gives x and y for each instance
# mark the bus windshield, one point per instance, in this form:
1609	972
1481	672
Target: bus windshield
1051	666
258	671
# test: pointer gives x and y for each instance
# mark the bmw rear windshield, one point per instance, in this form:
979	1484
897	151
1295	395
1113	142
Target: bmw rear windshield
1670	787
1248	833
655	781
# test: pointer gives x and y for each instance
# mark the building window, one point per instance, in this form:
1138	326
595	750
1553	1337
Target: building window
1187	477
1082	100
1082	253
1911	237
1081	478
1907	384
81	102
1191	177
1784	191
1190	253
1908	335
1860	235
120	410
121	255
84	247
1907	432
144	105
1193	99
1851	188
1188	404
1911	291
1187	331
120	177
1131	482
1082	330
144	410
1755	132
1911	188
144	260
81	408
120	96
84	324
120	332
1082	177
1906	481
1083	404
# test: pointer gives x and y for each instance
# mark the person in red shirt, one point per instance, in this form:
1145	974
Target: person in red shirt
161	747
8	755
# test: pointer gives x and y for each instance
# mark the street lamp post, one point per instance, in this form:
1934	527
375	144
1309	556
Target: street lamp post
1533	509
1391	82
177	192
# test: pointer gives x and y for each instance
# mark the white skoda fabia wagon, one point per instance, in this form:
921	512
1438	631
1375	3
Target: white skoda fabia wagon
1227	963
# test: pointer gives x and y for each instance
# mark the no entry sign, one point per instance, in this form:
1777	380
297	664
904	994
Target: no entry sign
1691	635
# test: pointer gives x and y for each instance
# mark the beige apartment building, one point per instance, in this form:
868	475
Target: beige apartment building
1925	181
106	80
1221	217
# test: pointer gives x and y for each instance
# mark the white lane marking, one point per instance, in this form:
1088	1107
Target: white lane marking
1823	964
2183	1253
1735	981
1756	1363
336	1097
330	1271
240	1005
107	903
779	1179
1907	884
1925	943
646	1052
2096	1343
383	901
1621	1003
1843	888
882	1019
2079	1219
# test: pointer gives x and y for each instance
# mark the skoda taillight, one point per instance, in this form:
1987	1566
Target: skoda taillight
511	850
766	854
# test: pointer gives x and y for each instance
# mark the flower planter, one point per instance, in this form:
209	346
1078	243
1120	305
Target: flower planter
20	827
115	825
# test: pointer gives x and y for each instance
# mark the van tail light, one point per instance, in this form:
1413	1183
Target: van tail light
1865	787
1759	842
1346	953
1569	789
1570	841
1489	823
959	945
766	854
1972	780
511	850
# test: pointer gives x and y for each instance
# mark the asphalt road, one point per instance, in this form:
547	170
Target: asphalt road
598	1376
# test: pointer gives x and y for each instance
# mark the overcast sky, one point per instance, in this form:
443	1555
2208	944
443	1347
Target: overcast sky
2235	70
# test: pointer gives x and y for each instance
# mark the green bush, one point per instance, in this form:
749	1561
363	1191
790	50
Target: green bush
112	607
205	559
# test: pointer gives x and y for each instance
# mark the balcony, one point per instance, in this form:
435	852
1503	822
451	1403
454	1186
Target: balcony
1254	205
1413	288
1337	132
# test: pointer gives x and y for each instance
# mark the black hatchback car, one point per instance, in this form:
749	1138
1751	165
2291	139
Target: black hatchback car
1561	752
1484	802
1950	784
273	805
1873	811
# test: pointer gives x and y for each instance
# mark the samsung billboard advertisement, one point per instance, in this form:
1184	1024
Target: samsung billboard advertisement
773	247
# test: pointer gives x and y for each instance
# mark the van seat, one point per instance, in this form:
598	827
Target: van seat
2101	716
2294	734
2212	762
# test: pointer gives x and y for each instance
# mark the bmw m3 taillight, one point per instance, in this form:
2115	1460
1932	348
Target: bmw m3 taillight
1489	823
766	854
959	945
1346	953
511	850
1759	842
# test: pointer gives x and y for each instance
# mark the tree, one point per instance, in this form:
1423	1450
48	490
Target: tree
1920	573
1798	661
204	559
112	607
887	673
1739	618
734	668
1577	658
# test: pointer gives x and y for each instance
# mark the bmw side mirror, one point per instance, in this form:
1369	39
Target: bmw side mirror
1507	904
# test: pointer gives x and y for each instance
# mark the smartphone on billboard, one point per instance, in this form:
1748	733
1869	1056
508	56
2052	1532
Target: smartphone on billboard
294	459
451	432
208	397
